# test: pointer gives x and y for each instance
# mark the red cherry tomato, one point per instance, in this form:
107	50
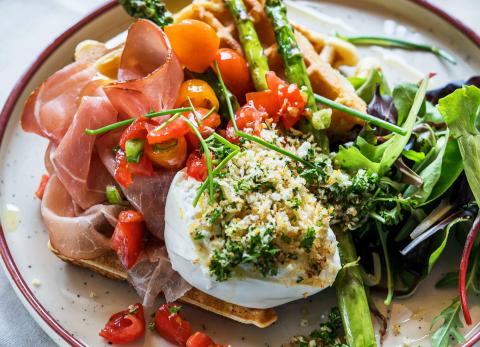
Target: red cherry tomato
197	166
195	43
234	71
200	339
171	326
124	171
266	100
170	155
136	130
41	186
127	239
126	326
247	117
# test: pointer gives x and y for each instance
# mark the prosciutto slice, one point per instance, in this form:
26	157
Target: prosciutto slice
153	274
50	109
146	194
76	165
150	74
76	235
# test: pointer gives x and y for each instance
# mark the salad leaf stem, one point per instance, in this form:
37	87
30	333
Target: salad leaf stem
125	122
363	116
382	235
397	43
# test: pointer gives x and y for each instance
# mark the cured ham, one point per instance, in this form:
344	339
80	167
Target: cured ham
153	274
74	160
50	109
150	74
76	235
146	194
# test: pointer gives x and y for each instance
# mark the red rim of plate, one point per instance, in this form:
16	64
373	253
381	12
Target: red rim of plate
17	91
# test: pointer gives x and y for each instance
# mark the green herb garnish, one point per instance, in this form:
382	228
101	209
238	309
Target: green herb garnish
113	195
134	150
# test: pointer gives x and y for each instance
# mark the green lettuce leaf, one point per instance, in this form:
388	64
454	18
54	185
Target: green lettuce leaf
461	110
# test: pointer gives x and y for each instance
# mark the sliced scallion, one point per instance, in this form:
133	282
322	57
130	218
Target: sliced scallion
134	150
113	195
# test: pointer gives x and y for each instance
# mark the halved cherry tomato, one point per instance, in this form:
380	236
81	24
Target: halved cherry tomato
266	100
124	171
291	100
127	239
247	117
200	92
171	326
200	339
169	155
41	186
197	166
234	70
195	43
179	128
136	130
125	326
282	101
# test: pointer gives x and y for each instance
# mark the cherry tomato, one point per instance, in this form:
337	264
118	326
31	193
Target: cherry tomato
247	117
136	130
171	326
125	326
266	100
41	186
197	166
200	92
179	128
194	42
234	71
169	155
127	239
124	171
200	339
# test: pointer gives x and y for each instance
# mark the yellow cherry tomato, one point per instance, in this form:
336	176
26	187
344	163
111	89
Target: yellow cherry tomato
168	155
200	92
195	43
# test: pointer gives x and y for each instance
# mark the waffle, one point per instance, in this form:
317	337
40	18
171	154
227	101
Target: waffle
323	54
109	266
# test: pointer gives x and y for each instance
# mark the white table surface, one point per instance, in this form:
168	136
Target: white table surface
27	27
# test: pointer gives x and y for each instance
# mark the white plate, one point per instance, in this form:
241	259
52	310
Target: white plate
63	305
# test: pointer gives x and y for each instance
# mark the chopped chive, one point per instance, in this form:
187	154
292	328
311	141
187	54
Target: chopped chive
113	195
364	116
125	122
207	155
195	113
168	121
134	150
398	43
226	96
212	110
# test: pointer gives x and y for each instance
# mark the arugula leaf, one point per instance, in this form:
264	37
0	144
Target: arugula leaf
461	110
380	158
430	175
413	155
450	326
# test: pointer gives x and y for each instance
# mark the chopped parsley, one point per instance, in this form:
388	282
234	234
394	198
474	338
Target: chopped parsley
327	335
307	240
174	309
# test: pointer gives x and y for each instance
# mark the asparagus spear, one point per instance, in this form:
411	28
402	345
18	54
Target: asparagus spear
296	70
154	10
257	61
352	299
